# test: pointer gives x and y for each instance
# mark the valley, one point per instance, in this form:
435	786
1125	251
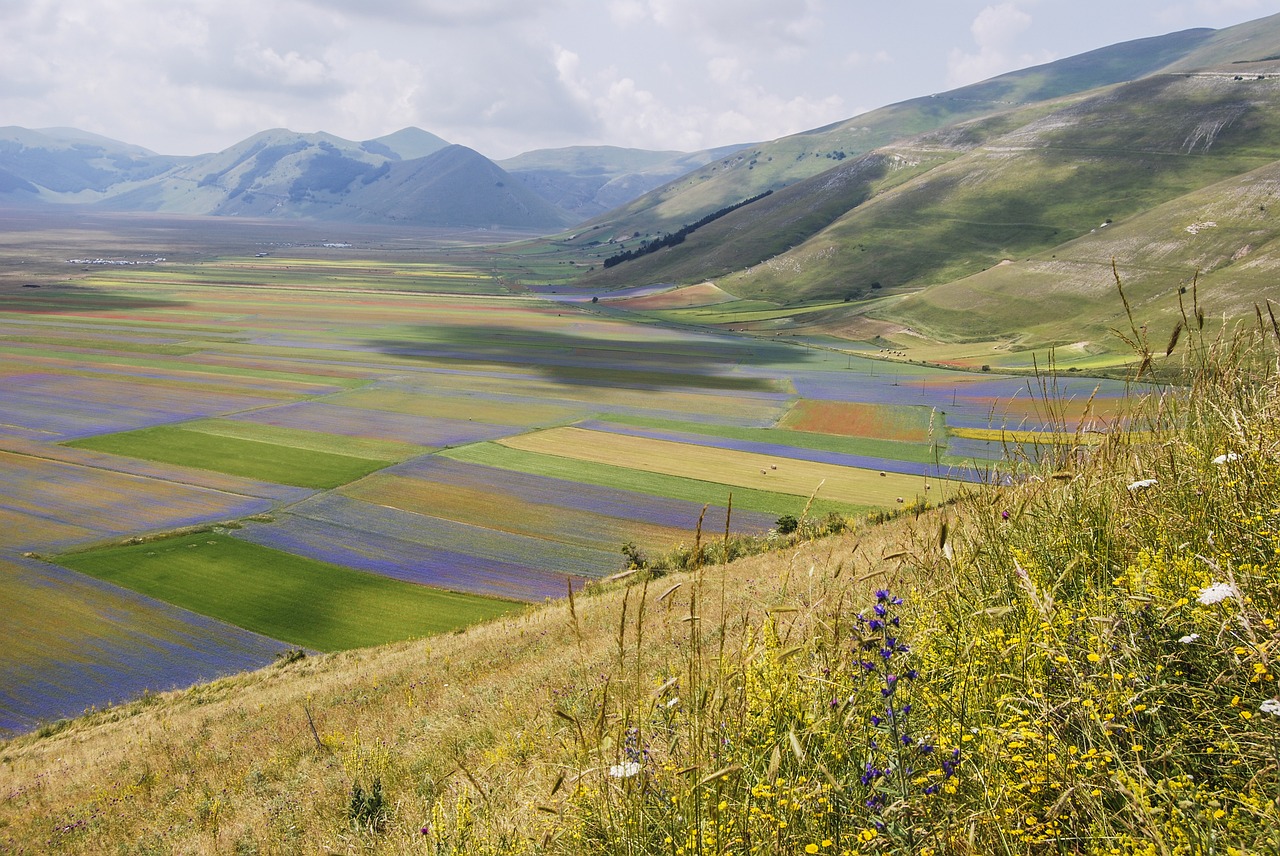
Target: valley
357	436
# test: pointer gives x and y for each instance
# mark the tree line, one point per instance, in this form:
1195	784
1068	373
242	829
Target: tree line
671	239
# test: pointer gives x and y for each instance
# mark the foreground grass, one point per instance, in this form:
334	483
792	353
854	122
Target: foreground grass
1081	663
291	598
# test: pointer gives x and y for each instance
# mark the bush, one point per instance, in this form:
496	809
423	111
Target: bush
368	809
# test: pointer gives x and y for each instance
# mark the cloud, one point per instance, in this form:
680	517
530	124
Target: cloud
505	76
859	59
616	105
447	13
627	13
997	32
753	24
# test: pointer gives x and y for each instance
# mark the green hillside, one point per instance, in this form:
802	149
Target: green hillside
998	231
1224	236
1010	193
797	157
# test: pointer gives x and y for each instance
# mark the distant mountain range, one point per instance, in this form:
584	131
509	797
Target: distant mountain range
409	177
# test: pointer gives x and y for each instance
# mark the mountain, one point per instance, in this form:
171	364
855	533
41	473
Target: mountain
410	176
779	163
281	173
454	186
405	144
999	227
587	181
71	165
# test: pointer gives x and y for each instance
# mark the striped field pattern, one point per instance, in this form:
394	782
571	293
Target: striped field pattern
410	419
724	466
71	642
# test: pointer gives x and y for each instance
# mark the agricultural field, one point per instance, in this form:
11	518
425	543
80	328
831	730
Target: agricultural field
301	601
343	442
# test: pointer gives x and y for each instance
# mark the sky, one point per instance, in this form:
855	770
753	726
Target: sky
185	77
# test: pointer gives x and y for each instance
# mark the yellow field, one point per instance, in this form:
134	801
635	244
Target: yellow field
729	467
1044	438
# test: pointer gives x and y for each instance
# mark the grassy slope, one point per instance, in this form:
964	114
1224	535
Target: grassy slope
1027	189
1047	641
1068	296
302	601
1011	186
790	159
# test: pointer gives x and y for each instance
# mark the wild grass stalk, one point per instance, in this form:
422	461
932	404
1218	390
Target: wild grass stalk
1081	661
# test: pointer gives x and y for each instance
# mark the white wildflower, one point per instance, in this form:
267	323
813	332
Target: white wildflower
1141	484
1189	638
673	701
1217	593
1229	456
1271	706
625	770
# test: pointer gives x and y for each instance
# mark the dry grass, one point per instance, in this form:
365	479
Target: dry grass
234	766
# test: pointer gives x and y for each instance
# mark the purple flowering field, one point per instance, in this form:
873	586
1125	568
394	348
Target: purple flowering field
425	370
627	505
431	551
53	505
65	407
71	642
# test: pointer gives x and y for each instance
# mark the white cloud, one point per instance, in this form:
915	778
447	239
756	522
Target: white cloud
714	24
199	75
290	70
627	13
725	69
745	112
997	32
448	13
859	59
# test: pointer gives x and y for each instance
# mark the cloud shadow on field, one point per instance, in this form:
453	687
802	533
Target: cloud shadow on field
32	298
698	361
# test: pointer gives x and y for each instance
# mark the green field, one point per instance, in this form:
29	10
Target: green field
302	439
237	456
298	600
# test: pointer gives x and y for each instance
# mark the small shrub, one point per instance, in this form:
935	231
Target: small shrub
368	809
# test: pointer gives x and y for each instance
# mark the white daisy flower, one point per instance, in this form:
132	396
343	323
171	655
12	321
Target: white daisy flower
1189	638
625	770
1216	593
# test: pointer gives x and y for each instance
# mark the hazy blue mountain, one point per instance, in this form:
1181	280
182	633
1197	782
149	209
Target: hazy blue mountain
587	181
411	176
67	164
406	144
